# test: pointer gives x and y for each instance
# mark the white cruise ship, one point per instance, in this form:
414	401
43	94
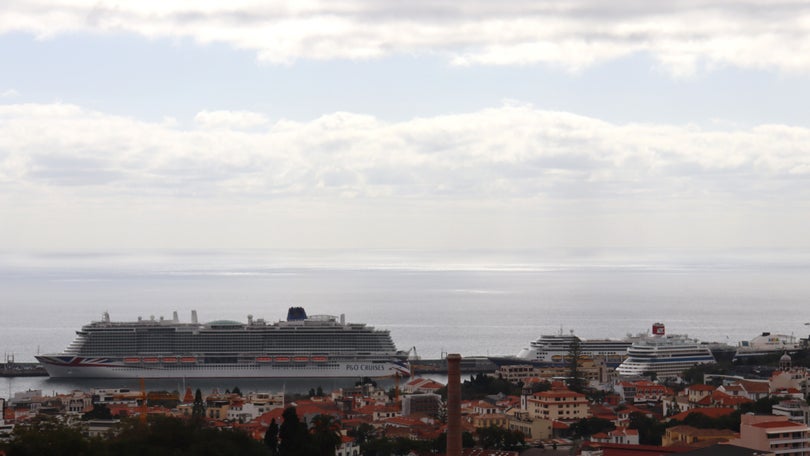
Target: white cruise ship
555	348
767	344
299	347
667	356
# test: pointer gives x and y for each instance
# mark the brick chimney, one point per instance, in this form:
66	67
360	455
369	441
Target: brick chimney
453	404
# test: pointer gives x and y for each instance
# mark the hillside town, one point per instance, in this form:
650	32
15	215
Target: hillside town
519	409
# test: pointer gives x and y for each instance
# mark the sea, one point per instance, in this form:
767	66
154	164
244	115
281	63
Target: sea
475	303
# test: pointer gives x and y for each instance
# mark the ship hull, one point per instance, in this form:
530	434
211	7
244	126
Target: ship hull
613	361
82	367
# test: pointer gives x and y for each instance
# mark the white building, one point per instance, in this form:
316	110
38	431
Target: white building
796	410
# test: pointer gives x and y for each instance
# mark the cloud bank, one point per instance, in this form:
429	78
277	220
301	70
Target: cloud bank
513	152
682	36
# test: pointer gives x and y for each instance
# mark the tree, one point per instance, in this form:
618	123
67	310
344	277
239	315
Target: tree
362	433
325	434
576	382
650	430
762	406
587	427
47	437
198	409
319	392
271	437
99	412
293	437
162	436
496	438
237	391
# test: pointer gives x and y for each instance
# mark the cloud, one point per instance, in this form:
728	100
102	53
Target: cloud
513	151
10	93
237	120
681	36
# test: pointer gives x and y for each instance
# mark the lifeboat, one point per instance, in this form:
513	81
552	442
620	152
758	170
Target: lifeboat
282	359
188	359
319	359
132	360
150	360
300	359
169	359
557	358
264	359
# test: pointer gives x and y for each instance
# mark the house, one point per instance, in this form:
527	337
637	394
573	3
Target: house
558	404
619	435
490	419
688	435
773	433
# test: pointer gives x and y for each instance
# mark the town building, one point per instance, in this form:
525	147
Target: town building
428	404
688	435
621	435
557	404
776	434
796	410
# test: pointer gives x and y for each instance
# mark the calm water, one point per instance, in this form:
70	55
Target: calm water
473	306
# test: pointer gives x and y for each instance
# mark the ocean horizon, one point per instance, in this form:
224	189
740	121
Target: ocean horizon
474	303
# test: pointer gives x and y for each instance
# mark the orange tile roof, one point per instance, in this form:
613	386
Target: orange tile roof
711	412
402	421
755	387
777	424
558	393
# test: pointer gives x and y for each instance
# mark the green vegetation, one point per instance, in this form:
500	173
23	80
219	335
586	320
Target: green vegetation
166	436
763	406
496	438
695	374
575	380
161	436
271	437
587	427
384	446
701	421
649	429
481	385
99	412
198	409
731	421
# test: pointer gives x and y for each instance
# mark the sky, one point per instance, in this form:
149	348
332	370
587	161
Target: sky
425	125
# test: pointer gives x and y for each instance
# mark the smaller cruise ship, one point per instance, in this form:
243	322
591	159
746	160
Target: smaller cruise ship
767	344
665	355
554	349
